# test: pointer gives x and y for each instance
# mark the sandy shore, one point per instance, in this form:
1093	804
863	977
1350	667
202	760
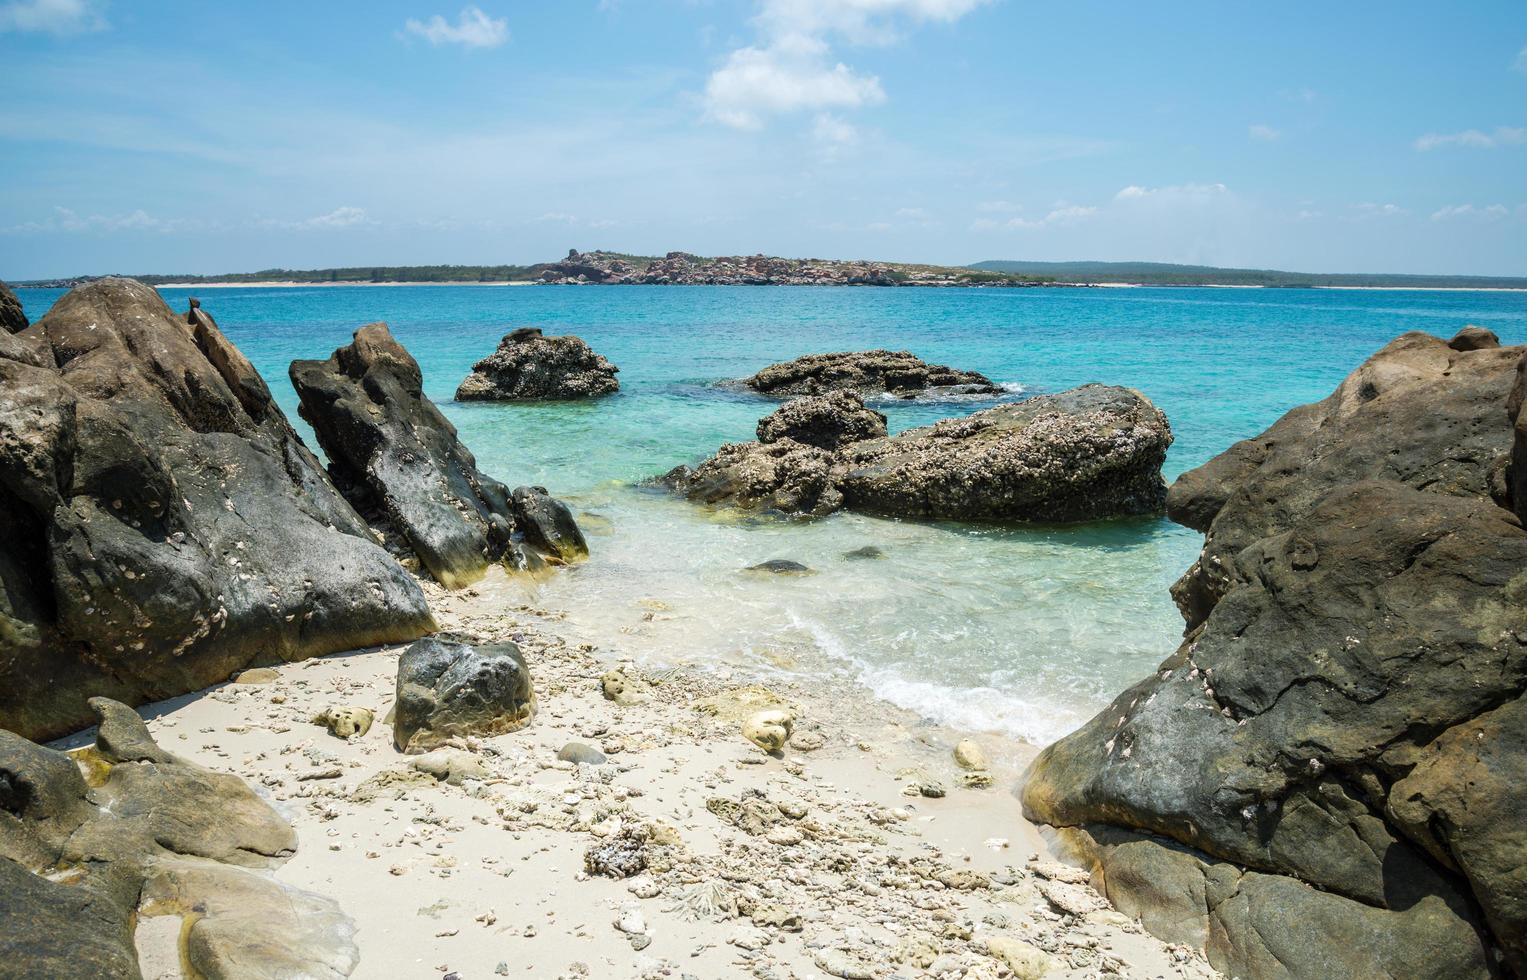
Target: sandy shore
814	863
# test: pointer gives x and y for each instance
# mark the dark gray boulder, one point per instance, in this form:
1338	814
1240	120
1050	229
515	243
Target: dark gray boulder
1087	453
548	524
13	318
871	372
398	459
150	834
162	526
448	690
1516	417
528	365
1446	402
1275	737
829	421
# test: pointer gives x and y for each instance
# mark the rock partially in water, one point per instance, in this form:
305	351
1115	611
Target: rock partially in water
786	476
1419	413
447	690
1088	453
13	318
398	459
829	421
528	365
869	552
161	524
1365	644
779	566
150	835
869	372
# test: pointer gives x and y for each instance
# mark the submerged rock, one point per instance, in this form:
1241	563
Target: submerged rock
870	372
1325	778
398	459
151	834
829	421
13	318
779	566
161	524
528	365
447	689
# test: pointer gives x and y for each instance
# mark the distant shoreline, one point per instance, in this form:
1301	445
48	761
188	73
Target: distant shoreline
295	284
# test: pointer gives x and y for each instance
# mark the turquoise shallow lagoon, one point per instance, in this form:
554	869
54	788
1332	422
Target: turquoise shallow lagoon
1021	631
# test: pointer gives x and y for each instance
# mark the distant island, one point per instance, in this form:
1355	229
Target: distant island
687	269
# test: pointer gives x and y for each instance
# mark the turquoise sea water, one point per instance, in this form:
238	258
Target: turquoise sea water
1022	631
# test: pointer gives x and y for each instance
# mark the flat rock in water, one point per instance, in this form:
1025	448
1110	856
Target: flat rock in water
186	529
779	566
528	365
869	372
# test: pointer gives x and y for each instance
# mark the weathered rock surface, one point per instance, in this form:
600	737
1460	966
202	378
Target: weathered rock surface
528	365
448	689
1084	454
1087	453
1516	417
13	318
149	834
1448	403
870	372
398	459
1327	777
161	523
829	421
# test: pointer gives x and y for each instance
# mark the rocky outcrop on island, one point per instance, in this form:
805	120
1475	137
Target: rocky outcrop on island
161	524
97	843
528	365
866	373
1326	778
398	460
686	269
1088	453
13	318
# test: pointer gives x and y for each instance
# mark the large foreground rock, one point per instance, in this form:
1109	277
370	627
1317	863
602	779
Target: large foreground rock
528	365
81	863
871	372
398	459
161	524
1516	415
1327	777
1420	412
448	690
1088	453
13	318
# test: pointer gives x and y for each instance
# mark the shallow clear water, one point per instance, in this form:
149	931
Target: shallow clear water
1025	631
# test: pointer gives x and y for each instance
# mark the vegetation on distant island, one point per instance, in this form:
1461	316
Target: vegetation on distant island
683	268
1169	274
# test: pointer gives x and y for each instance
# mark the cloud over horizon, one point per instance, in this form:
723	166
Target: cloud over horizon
473	29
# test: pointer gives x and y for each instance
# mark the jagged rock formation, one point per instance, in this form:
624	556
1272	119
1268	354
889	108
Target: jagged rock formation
1088	453
161	524
449	690
871	372
13	318
528	365
686	269
1327	777
140	833
1516	416
399	461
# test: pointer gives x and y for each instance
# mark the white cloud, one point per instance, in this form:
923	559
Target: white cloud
1061	214
1177	193
1490	212
473	29
1520	64
790	66
998	207
833	131
1370	209
1502	136
791	73
1263	133
68	220
345	217
53	16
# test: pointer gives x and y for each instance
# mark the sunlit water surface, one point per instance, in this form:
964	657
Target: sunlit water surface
1024	631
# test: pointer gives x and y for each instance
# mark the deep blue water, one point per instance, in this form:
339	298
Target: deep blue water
1026	631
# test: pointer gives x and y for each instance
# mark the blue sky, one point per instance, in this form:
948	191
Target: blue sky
163	136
